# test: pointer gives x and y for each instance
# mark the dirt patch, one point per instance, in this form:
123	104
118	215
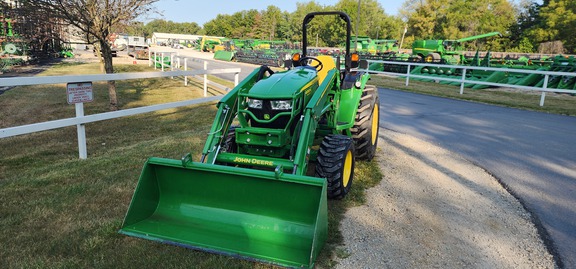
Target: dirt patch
434	209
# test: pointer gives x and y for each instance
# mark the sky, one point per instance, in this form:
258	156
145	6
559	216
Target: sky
202	11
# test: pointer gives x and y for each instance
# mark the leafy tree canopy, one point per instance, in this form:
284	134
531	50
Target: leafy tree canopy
524	24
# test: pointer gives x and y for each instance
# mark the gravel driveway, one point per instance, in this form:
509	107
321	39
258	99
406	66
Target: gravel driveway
433	209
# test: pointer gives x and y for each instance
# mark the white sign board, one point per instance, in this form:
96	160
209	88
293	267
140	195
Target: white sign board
80	92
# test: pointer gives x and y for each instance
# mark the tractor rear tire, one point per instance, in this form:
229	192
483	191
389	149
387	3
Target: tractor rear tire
366	125
335	162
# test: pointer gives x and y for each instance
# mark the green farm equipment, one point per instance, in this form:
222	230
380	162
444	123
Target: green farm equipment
446	51
386	46
281	144
272	53
207	44
225	51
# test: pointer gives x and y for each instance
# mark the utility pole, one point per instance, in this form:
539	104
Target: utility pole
402	41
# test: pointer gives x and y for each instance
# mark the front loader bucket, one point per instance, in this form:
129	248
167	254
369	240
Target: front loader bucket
254	214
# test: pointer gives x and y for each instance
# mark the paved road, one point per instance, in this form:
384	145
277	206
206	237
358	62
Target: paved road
533	154
195	60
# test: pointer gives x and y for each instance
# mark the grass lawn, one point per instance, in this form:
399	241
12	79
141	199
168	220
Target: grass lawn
57	211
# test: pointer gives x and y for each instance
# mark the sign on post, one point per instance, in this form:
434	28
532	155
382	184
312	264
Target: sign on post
79	92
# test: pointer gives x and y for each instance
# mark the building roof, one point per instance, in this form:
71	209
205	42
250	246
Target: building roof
174	36
177	36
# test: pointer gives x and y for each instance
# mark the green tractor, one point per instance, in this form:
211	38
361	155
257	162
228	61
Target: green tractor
444	51
281	144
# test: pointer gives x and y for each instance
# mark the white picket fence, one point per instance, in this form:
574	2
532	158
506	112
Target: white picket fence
80	119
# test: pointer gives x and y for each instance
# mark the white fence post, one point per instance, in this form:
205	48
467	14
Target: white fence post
162	61
543	96
171	63
81	130
205	79
185	69
236	79
407	75
155	57
463	79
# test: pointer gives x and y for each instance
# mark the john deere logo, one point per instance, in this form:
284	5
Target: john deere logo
266	116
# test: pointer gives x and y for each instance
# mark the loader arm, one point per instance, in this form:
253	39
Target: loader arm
227	109
317	106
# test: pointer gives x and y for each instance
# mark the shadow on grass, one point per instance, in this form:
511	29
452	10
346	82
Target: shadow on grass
61	212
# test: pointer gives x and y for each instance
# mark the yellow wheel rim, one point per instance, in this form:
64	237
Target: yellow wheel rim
347	169
375	117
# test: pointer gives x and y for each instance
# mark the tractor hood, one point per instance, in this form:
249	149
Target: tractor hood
284	85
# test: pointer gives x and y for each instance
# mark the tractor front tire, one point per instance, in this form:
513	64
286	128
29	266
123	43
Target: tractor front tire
366	125
335	162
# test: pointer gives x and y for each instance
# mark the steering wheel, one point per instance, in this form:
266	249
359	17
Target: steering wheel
304	62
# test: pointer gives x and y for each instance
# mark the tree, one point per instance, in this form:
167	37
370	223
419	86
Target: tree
242	24
97	19
519	32
283	30
455	19
463	20
392	27
546	24
220	26
271	19
297	17
163	26
424	16
371	15
558	19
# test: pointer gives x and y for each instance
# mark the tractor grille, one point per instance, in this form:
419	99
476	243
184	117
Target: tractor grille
267	113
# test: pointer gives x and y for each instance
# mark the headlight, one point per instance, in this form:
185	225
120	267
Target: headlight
281	104
358	84
254	103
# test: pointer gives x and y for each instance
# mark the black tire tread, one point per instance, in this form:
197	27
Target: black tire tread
331	157
362	129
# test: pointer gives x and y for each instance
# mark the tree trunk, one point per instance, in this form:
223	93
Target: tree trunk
109	69
98	52
112	95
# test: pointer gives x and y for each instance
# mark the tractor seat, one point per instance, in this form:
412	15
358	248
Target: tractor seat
328	64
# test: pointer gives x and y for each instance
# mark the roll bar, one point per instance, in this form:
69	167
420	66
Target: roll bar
344	17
